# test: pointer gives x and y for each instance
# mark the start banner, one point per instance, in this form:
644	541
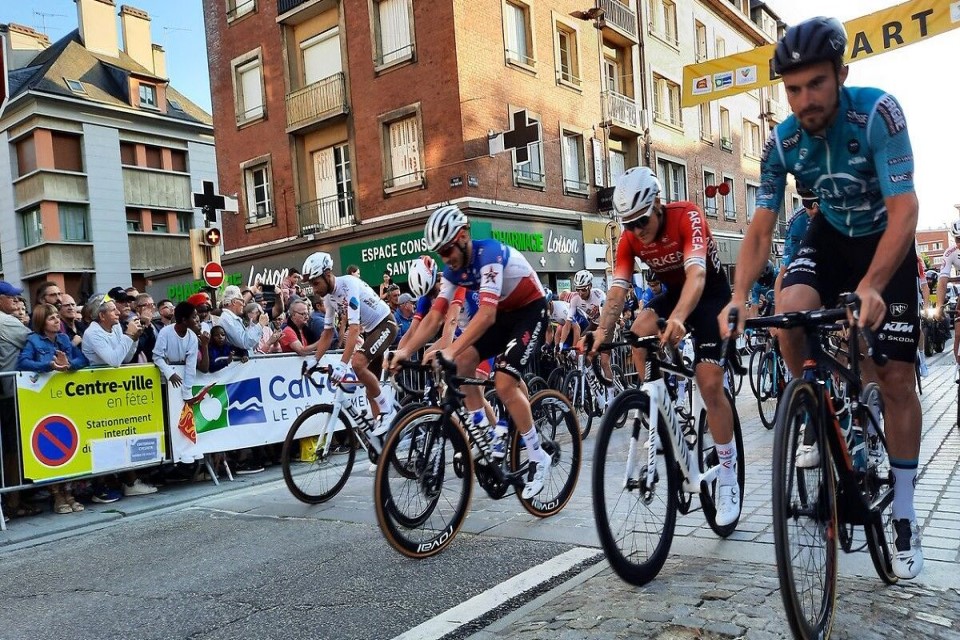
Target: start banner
90	421
870	35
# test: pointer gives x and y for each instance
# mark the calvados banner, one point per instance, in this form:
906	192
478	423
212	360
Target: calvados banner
870	35
90	421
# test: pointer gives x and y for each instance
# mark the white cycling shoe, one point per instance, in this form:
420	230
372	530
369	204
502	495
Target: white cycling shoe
537	477
728	504
908	554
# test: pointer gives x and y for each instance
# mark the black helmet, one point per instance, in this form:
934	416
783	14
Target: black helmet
814	40
932	277
768	276
651	276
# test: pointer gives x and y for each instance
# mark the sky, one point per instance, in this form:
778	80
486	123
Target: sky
921	76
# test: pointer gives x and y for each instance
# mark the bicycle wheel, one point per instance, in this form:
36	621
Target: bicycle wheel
707	454
556	378
578	391
877	482
554	419
635	519
311	475
753	372
805	528
767	391
420	516
535	384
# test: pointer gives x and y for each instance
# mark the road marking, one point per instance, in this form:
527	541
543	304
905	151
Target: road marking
477	606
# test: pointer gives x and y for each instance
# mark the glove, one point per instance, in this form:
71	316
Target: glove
339	371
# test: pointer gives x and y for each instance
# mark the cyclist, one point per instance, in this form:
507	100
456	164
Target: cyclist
655	287
589	302
951	263
510	322
675	242
796	228
567	331
850	146
371	330
762	294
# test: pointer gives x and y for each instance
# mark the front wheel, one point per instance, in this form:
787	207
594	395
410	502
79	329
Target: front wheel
311	471
634	506
578	391
707	454
805	529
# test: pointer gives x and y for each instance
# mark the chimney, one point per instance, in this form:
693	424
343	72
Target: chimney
159	61
98	27
135	25
26	39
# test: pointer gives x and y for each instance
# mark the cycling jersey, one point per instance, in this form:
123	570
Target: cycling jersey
559	312
353	296
760	290
589	306
501	275
951	261
796	228
864	157
649	294
469	302
684	240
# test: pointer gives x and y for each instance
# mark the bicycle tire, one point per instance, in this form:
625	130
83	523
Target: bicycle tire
554	420
325	476
582	402
880	527
803	511
707	455
535	384
634	565
752	372
400	464
767	396
419	517
556	378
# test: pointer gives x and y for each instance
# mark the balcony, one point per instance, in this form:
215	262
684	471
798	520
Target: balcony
288	5
326	214
621	112
152	251
50	185
620	20
316	102
57	256
155	189
294	12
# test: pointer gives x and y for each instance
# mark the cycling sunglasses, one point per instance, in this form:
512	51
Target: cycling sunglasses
639	223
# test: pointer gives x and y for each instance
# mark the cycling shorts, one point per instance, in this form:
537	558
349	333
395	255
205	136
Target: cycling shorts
702	322
376	342
833	263
515	337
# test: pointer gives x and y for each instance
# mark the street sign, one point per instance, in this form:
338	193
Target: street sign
55	441
209	201
213	274
525	131
213	236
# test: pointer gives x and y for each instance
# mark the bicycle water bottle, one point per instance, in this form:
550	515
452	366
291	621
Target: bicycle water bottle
857	446
498	438
479	431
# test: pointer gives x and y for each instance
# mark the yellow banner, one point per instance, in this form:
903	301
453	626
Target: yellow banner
870	35
90	421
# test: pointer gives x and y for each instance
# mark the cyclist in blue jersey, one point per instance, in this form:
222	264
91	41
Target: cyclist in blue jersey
762	294
797	227
509	323
654	288
851	147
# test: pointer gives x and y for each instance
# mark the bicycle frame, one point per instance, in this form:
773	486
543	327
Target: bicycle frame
358	422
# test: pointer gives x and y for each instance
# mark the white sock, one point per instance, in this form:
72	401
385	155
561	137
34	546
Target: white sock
480	418
532	440
728	462
904	483
383	403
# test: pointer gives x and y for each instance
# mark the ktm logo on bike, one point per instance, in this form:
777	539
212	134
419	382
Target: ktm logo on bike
898	309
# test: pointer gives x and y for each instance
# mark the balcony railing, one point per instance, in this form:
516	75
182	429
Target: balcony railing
621	110
325	214
323	99
288	5
621	16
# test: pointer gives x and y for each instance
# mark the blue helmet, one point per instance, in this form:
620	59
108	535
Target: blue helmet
768	276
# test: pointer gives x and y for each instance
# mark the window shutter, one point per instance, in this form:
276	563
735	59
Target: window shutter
394	29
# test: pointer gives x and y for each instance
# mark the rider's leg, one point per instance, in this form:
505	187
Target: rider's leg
644	325
720	418
371	384
902	428
797	297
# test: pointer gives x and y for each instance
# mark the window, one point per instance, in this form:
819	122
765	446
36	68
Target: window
751	139
709	204
663	20
175	105
706	122
73	223
256	180
517	37
248	86
321	56
334	185
154	156
701	50
673	177
26	155
32	227
239	8
393	28
720	46
158	222
178	160
67	151
666	101
76	86
751	200
184	221
148	96
726	141
618	164
128	154
729	208
530	173
574	164
134	220
403	157
568	64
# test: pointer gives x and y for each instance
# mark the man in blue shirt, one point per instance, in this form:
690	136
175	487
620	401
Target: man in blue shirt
404	315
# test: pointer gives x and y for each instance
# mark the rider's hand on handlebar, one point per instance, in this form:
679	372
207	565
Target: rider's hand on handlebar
394	359
673	332
724	318
339	371
872	307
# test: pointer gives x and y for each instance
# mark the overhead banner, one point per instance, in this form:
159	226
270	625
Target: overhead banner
90	421
870	35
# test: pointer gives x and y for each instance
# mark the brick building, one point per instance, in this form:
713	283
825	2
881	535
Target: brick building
933	243
340	125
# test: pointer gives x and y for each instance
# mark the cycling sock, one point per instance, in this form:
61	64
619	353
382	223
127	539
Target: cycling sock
728	462
905	481
532	441
480	418
383	403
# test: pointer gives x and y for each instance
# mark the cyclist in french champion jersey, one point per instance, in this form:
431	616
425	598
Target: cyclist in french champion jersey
951	266
675	242
850	146
509	323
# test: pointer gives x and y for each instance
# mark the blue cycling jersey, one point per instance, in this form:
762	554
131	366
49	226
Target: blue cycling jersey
864	157
796	229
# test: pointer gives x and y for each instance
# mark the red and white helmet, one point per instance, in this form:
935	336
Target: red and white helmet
423	276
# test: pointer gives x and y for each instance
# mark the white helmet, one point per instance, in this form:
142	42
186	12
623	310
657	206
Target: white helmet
316	264
634	194
582	278
443	226
423	276
955	228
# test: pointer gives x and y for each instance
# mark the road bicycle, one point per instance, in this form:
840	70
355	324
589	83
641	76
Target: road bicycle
647	472
816	508
768	379
421	498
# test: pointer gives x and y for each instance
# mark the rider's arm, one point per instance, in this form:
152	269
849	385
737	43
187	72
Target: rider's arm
900	234
324	342
941	293
612	309
696	278
449	326
350	344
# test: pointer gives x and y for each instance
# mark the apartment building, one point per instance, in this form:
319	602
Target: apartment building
103	154
340	125
934	243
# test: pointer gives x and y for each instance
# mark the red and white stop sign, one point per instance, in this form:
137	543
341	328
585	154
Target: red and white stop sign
213	274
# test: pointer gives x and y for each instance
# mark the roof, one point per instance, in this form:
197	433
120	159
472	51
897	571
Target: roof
104	79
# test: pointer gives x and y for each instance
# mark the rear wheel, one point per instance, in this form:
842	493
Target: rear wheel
768	383
578	391
311	471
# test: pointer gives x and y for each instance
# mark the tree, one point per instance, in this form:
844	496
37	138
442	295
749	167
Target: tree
927	263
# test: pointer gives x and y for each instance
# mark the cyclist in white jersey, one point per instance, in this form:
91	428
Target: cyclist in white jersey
951	264
589	301
371	330
567	331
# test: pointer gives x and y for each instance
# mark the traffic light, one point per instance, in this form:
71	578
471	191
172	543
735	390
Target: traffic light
204	248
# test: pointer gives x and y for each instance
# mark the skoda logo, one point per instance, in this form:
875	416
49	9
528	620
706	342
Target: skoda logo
898	309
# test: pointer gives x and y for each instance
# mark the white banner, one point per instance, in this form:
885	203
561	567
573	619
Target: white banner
246	404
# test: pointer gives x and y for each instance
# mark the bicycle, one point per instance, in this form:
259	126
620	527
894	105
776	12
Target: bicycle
817	508
310	440
421	498
644	475
768	380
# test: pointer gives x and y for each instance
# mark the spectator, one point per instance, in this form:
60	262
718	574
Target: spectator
270	341
353	270
248	295
104	343
178	343
132	292
49	293
21	312
201	302
393	297
167	315
293	337
145	308
70	322
404	315
246	338
123	301
218	353
387	282
316	318
47	349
